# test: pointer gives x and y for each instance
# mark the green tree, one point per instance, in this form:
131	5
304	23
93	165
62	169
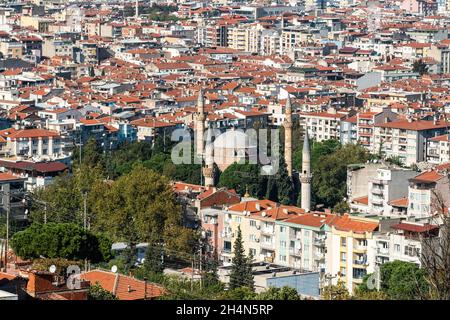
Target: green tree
283	293
91	154
154	257
329	182
243	177
239	293
139	204
96	292
420	66
403	280
240	274
59	240
336	292
64	198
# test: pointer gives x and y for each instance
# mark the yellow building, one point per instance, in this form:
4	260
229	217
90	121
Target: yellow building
350	246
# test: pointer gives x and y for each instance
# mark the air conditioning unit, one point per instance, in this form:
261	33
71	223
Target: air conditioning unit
232	235
258	227
257	240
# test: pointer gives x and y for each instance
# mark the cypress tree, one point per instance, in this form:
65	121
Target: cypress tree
240	275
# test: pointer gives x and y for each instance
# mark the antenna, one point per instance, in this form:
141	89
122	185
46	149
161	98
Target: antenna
114	269
52	268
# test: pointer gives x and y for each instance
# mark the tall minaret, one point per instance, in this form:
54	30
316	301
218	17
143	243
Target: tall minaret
137	10
305	177
200	123
288	136
208	169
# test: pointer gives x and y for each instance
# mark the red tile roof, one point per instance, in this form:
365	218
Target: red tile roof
347	223
123	287
414	227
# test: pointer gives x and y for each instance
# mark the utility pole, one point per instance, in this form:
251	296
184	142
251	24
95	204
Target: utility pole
200	268
85	225
8	212
192	274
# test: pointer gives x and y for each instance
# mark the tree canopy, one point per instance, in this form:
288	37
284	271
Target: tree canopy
60	240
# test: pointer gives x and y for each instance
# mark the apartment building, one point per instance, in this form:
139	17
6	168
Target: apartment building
12	189
389	184
246	38
403	241
366	121
34	143
406	139
257	221
429	192
349	243
348	132
322	125
438	149
301	241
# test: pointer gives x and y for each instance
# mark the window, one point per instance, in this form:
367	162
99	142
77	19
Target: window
282	258
252	252
282	229
227	246
343	242
283	244
252	238
343	271
343	256
252	223
396	247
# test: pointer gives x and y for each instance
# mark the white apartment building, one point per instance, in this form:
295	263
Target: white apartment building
389	184
406	139
301	241
428	192
35	143
438	149
402	241
322	125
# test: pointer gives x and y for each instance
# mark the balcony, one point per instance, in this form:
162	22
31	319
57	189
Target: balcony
319	242
359	248
360	263
269	231
383	251
295	251
267	245
378	191
319	256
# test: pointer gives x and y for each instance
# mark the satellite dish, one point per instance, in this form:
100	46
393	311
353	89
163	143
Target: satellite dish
114	268
52	268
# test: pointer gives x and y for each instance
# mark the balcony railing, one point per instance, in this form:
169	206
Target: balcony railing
295	251
384	251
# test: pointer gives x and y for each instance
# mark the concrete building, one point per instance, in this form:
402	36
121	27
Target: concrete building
349	244
438	149
406	139
389	184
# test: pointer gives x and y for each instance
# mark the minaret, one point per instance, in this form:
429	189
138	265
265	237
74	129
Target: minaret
137	10
305	177
200	123
288	136
208	169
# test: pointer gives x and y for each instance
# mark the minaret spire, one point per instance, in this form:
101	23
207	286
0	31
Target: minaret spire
208	169
305	177
200	122
288	136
